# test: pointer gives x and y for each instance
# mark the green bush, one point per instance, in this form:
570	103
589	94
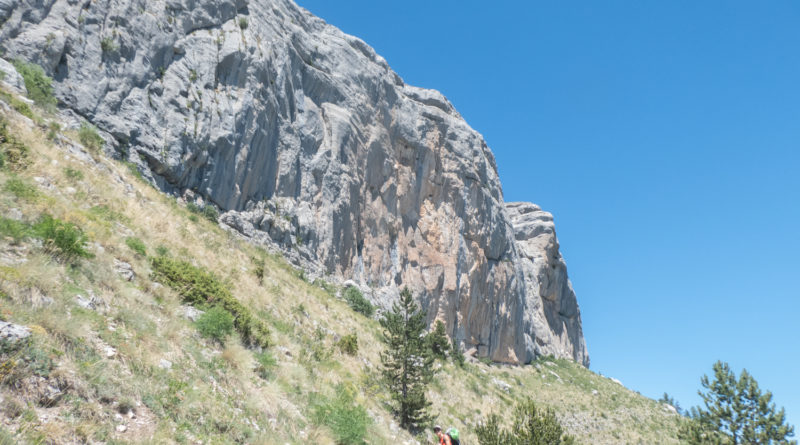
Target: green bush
266	364
52	130
162	251
61	238
348	344
90	138
107	44
201	287
347	419
530	425
216	323
438	342
39	86
13	229
21	189
136	245
458	354
207	211
243	22
13	153
73	174
18	105
357	302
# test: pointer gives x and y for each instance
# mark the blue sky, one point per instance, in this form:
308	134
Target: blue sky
665	139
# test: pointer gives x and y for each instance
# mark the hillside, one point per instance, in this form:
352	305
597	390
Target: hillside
113	357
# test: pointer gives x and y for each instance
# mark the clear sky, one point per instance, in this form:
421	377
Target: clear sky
664	136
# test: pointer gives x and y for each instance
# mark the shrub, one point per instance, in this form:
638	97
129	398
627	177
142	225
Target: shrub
61	238
89	137
201	287
107	44
73	174
347	419
357	302
13	153
136	245
530	425
348	344
458	354
207	211
162	251
18	105
266	364
216	323
243	22
39	86
21	189
13	229
52	130
438	342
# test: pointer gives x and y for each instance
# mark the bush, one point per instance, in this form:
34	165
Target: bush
357	302
73	174
531	425
216	324
348	344
52	130
438	342
136	245
39	86
266	364
347	420
162	251
13	153
201	287
90	138
61	238
207	211
458	354
243	23
107	44
18	105
13	229
21	189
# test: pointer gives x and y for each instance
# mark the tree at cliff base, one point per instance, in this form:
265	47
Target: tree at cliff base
407	361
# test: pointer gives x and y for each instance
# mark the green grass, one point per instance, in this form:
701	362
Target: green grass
137	245
13	229
90	138
39	86
21	189
347	420
63	239
216	324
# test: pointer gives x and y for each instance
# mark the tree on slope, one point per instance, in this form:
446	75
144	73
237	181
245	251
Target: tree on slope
407	361
736	412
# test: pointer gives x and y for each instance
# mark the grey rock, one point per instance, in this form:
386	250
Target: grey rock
15	214
12	333
124	269
308	142
165	364
11	79
190	312
91	302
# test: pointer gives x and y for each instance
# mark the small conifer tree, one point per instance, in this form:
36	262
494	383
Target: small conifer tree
407	361
438	341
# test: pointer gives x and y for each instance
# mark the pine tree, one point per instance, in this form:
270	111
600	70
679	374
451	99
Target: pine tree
736	412
438	342
407	361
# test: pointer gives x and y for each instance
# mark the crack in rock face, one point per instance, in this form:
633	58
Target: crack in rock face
307	141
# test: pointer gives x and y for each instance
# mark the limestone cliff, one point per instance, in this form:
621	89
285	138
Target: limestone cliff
307	140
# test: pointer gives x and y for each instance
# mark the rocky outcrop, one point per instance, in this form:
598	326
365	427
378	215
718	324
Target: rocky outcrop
553	313
307	140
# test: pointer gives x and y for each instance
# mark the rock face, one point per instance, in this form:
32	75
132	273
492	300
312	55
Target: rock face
307	140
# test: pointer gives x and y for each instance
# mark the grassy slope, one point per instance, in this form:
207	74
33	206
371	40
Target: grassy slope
212	393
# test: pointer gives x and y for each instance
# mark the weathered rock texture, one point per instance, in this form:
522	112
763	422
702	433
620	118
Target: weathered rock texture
307	140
